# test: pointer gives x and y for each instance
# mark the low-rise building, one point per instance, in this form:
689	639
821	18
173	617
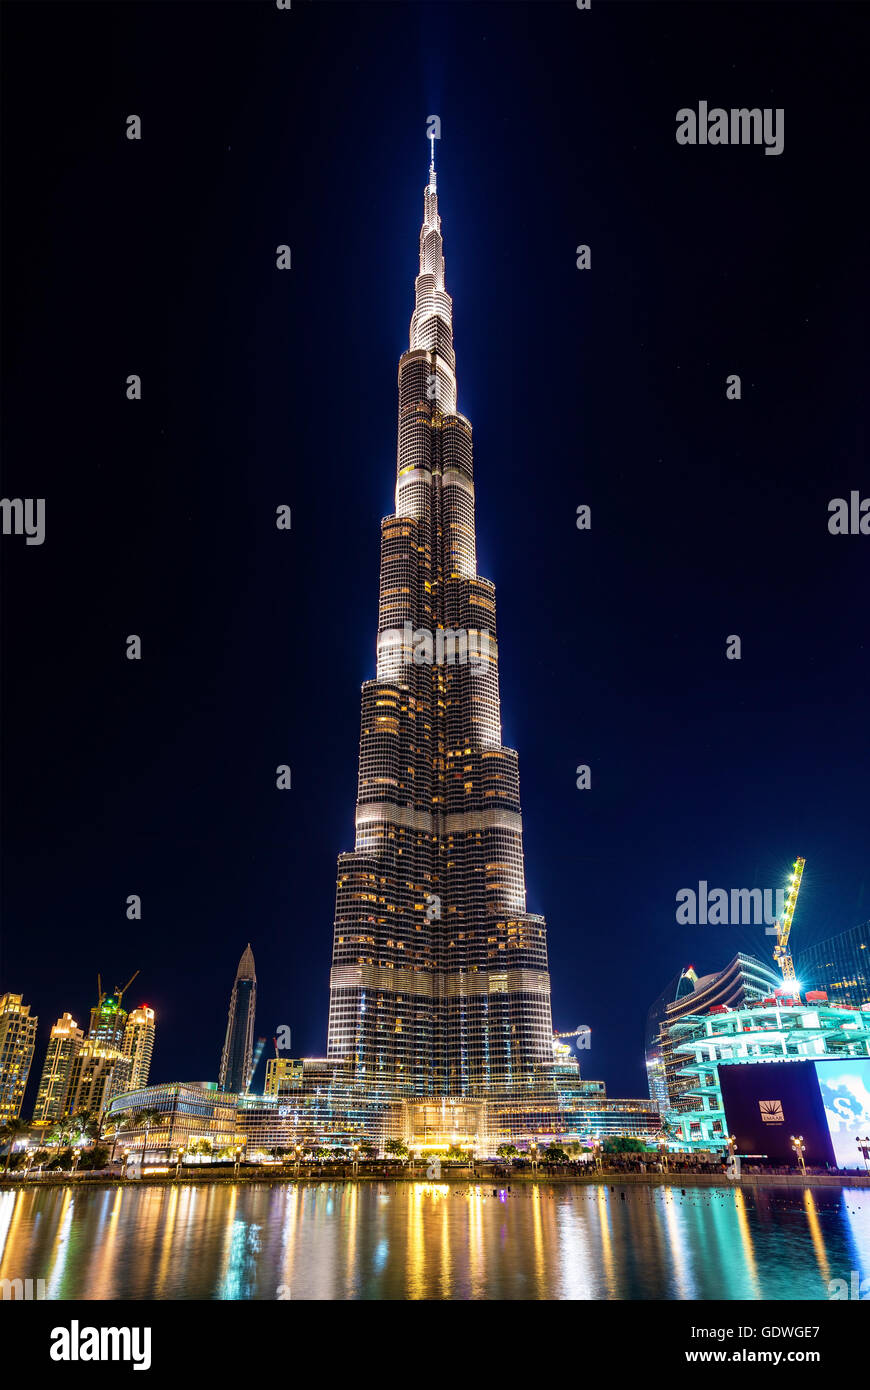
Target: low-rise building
193	1113
743	980
776	1029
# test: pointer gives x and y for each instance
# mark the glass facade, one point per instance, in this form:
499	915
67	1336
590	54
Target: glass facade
191	1113
237	1058
840	966
318	1102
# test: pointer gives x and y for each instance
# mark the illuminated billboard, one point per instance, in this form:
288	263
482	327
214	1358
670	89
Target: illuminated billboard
767	1103
844	1086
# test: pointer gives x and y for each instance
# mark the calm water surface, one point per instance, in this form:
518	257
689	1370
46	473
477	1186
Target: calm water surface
327	1240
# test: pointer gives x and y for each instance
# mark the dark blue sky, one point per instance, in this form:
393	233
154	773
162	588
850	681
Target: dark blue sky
709	517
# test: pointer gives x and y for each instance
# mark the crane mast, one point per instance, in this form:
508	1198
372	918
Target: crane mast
781	953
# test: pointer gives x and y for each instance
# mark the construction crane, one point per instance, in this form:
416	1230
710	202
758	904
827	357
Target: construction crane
584	1032
781	953
119	993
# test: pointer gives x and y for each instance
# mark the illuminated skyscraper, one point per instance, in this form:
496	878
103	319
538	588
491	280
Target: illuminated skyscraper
139	1044
238	1055
64	1045
17	1042
440	981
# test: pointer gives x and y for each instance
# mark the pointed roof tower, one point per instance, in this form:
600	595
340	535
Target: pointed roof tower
246	970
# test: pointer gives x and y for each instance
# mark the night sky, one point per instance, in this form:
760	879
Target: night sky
260	388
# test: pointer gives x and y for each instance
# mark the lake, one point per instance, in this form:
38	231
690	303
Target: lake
407	1240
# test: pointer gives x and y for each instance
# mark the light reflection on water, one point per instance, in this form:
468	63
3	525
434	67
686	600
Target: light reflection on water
325	1240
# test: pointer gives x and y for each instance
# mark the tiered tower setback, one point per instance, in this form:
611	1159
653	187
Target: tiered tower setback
440	982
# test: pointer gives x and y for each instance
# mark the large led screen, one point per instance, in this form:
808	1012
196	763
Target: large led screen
766	1103
845	1092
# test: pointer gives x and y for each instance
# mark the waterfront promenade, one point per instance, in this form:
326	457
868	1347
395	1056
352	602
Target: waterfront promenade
482	1176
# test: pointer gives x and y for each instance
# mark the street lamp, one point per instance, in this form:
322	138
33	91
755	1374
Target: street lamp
799	1147
355	1159
124	1157
298	1156
238	1160
534	1151
76	1160
181	1152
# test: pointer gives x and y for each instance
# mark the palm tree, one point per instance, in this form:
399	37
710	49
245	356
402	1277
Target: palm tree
151	1119
121	1120
60	1133
86	1123
13	1129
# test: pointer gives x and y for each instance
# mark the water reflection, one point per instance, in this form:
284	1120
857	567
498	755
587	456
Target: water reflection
418	1240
